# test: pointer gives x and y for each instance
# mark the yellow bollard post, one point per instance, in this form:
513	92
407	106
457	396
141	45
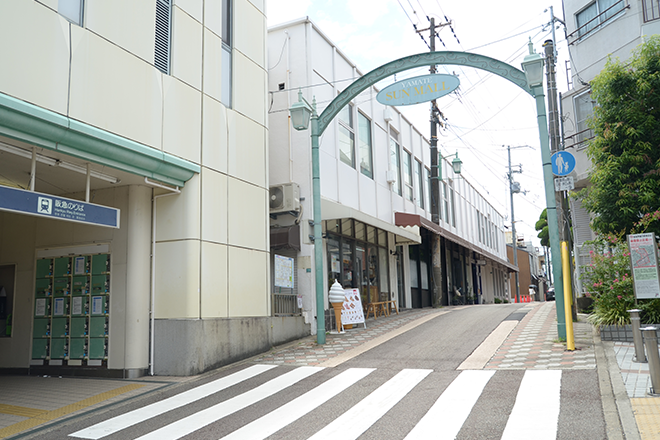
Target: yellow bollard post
568	295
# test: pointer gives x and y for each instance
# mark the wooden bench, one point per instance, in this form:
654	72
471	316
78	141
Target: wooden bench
380	308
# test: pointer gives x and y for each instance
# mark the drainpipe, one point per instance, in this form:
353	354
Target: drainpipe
173	191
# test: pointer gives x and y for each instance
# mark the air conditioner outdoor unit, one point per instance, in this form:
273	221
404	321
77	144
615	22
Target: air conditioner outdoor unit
284	198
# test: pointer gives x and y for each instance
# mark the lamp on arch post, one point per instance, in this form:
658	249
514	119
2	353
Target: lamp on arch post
532	65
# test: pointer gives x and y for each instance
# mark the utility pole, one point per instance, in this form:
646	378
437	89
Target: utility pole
514	239
436	252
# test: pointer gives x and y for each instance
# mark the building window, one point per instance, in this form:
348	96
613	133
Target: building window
163	34
453	203
72	10
584	109
407	175
651	10
595	14
445	202
226	62
427	192
395	166
419	185
364	146
346	136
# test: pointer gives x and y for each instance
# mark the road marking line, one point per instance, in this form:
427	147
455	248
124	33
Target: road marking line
452	407
292	411
480	357
214	413
359	418
536	411
123	421
350	354
48	416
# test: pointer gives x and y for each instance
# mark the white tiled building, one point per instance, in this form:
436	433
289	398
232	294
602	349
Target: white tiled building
376	209
174	92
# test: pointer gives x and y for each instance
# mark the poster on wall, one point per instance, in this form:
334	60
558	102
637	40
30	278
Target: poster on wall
283	272
352	312
644	262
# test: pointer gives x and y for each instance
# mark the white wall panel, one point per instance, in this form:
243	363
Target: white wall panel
42	77
186	48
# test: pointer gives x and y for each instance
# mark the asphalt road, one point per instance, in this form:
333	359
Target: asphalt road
408	386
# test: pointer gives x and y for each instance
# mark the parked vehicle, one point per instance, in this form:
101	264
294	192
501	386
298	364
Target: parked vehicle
550	294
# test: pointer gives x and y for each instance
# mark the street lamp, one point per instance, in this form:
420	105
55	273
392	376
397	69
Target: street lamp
456	165
533	67
300	112
300	118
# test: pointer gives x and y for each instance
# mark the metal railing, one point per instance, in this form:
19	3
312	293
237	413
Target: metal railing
285	304
600	19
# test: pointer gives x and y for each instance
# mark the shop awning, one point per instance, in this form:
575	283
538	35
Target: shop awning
332	210
404	219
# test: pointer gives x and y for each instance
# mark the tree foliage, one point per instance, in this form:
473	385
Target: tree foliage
625	152
542	226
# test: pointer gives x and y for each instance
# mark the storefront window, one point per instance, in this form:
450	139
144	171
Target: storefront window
334	266
347	227
359	231
383	274
347	266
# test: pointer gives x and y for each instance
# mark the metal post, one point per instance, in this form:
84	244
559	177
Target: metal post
651	343
435	161
553	226
640	356
514	238
565	261
318	240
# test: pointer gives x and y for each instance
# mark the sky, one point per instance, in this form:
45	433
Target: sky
487	113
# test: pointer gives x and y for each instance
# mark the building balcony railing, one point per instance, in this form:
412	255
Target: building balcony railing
599	20
579	140
651	9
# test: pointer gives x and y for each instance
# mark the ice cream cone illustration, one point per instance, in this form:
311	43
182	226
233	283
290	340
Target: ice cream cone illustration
336	298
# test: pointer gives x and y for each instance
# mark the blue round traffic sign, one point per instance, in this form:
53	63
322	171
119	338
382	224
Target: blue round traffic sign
563	163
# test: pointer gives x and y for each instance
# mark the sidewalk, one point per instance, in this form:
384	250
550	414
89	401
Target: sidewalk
31	402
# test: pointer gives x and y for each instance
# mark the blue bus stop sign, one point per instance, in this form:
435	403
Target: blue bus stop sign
563	163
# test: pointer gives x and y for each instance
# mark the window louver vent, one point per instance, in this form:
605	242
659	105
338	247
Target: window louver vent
162	46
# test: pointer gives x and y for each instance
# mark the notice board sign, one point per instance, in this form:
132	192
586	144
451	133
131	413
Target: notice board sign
644	262
283	272
351	311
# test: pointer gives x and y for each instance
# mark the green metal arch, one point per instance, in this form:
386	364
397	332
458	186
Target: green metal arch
482	62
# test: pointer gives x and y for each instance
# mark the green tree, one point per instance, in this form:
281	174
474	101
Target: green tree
625	153
542	226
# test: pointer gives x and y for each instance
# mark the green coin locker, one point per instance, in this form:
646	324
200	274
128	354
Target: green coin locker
42	306
80	285
40	348
97	348
81	265
100	284
59	327
58	348
100	264
79	306
44	268
41	327
62	267
61	286
43	287
77	348
98	326
99	305
78	327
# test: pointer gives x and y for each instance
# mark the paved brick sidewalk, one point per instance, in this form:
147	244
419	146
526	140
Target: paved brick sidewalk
533	344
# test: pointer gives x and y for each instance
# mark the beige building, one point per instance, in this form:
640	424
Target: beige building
157	115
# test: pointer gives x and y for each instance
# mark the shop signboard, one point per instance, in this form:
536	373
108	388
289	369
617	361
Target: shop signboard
644	262
55	207
352	311
418	89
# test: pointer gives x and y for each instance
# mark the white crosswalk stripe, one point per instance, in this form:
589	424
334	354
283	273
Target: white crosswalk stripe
446	408
452	407
140	415
359	418
536	410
